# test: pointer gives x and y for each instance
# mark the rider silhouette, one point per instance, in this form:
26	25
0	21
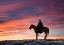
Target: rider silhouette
39	26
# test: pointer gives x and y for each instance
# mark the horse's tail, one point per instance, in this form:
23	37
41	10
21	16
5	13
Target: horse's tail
48	31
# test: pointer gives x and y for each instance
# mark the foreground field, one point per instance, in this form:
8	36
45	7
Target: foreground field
33	42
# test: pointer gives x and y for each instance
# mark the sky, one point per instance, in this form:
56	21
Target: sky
16	16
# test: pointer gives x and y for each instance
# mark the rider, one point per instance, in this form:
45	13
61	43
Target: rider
40	26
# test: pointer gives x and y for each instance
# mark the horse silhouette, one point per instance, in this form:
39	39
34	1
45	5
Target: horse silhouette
45	30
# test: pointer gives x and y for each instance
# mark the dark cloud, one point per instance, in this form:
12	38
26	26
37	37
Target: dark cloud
6	2
1	21
57	6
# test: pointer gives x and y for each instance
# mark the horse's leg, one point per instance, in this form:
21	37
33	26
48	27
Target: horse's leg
45	35
36	36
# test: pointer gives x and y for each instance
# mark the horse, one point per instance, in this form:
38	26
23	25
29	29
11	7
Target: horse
45	30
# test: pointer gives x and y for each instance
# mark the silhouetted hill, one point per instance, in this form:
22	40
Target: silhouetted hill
33	42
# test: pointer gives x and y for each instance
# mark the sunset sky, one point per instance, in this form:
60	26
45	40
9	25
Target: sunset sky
16	16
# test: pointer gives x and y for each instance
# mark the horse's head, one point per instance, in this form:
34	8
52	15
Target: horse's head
31	26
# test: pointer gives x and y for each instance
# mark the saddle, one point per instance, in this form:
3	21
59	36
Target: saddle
40	30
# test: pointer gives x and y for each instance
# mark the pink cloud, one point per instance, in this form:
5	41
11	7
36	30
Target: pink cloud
26	21
15	6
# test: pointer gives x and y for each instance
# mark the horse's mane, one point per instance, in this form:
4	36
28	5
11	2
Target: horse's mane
33	25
